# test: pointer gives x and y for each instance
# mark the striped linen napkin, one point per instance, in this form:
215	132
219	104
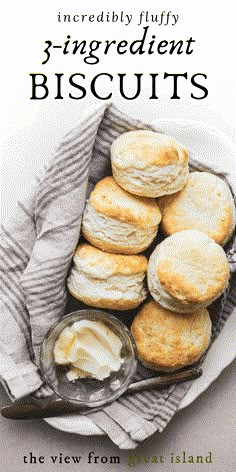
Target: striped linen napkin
37	248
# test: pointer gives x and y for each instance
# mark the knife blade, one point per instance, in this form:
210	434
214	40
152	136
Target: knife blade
62	407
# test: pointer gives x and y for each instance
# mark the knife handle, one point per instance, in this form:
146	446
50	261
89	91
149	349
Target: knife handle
164	380
21	412
29	411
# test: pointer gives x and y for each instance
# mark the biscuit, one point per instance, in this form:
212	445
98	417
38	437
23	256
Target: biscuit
205	204
149	164
106	280
187	271
166	340
118	222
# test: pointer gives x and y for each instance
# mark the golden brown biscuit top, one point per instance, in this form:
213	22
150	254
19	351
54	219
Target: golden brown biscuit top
111	200
111	264
168	339
192	267
205	203
142	148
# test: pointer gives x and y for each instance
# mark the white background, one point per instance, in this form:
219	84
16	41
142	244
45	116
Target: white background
30	129
26	26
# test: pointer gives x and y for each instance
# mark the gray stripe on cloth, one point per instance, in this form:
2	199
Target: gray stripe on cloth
68	157
39	245
53	264
115	432
65	150
138	428
20	329
14	298
13	246
71	164
47	275
11	263
60	191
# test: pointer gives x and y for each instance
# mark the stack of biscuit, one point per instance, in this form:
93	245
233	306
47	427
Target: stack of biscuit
186	272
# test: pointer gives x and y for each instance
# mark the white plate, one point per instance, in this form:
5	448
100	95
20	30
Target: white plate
209	145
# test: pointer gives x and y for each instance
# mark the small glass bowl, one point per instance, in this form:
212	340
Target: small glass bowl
89	392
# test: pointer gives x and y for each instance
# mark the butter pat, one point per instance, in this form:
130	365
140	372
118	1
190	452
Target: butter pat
90	348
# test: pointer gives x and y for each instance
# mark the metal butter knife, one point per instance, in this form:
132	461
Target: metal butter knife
61	407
